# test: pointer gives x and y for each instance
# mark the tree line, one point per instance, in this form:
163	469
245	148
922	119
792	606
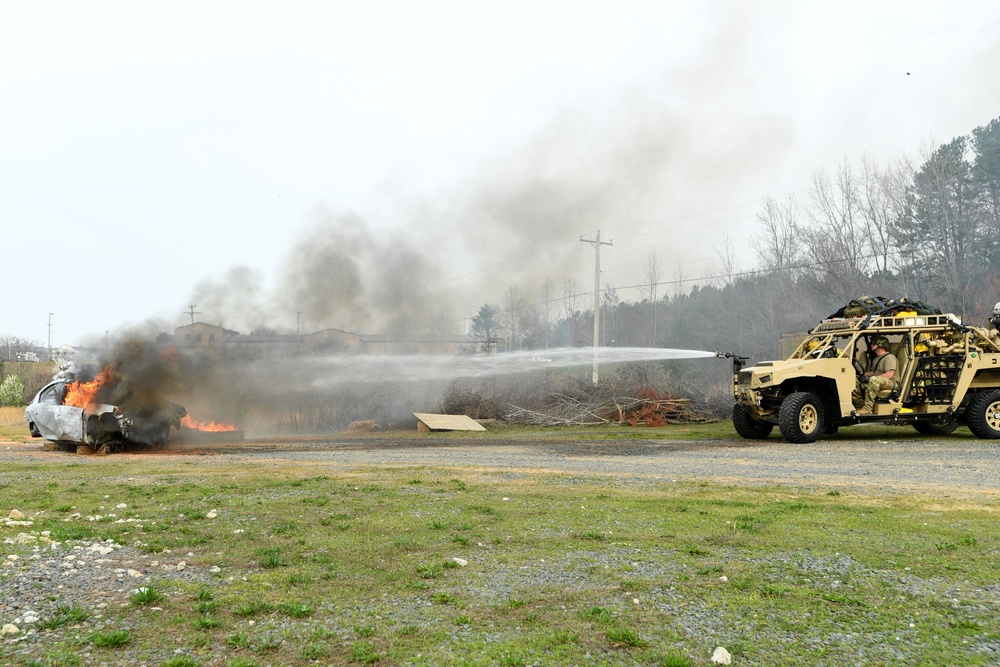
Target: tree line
928	230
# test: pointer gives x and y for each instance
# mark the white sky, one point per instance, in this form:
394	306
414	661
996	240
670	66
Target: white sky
148	146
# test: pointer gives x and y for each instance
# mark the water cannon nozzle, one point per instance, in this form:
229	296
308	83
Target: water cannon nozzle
738	361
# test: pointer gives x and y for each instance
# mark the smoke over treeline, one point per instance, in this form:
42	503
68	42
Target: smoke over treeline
517	221
340	273
423	264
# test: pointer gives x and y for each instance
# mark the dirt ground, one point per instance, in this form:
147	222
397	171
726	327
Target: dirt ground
952	466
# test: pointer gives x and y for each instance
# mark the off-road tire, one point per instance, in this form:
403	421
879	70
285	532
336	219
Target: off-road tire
801	417
943	427
747	426
983	415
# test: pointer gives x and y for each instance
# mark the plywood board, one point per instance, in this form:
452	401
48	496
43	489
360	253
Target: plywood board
447	422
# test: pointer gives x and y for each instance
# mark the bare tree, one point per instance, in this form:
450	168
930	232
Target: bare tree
12	346
725	252
837	241
609	315
652	272
512	307
779	241
546	297
679	280
571	296
882	201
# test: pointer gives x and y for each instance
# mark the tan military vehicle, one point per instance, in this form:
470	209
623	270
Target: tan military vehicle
947	373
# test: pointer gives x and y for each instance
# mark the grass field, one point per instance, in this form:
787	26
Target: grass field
320	567
12	422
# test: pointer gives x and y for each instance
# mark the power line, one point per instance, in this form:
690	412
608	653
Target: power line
680	281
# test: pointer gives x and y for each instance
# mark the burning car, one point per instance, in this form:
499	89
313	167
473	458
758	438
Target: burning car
68	413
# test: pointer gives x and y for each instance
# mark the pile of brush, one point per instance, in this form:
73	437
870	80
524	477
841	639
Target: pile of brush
643	407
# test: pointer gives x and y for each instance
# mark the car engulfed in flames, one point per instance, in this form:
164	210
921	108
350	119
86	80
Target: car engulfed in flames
69	414
125	406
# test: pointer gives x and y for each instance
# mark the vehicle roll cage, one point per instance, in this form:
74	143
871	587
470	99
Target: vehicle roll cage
892	321
878	306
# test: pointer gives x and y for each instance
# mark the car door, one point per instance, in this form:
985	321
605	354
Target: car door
54	420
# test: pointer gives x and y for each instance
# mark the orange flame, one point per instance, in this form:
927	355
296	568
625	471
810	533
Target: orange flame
84	394
206	426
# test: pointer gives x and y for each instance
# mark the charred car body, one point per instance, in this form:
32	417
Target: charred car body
103	427
947	374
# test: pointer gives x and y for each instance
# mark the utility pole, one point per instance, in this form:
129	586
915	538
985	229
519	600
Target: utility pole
50	337
597	243
192	312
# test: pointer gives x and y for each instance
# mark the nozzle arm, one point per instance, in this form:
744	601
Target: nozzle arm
738	361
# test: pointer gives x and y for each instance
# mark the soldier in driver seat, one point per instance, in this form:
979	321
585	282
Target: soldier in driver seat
881	373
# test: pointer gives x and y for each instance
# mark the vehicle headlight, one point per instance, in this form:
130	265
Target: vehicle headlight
764	379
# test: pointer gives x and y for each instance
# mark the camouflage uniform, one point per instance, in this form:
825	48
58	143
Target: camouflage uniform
869	390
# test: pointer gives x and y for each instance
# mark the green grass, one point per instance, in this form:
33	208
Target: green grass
638	565
65	615
111	638
624	637
180	661
146	595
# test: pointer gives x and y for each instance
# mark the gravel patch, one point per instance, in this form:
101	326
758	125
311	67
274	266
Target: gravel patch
946	467
40	579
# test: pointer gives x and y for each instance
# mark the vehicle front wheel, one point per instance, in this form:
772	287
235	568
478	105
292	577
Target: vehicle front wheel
983	415
747	426
801	417
943	427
